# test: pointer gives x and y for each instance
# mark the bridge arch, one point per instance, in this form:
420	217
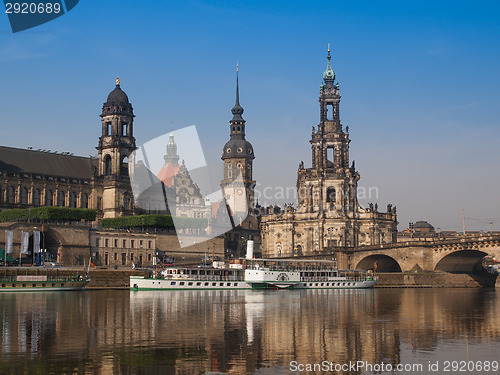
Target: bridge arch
384	263
463	261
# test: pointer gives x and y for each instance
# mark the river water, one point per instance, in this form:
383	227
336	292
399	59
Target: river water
424	331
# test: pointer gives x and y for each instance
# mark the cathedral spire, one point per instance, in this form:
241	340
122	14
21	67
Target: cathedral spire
329	74
237	110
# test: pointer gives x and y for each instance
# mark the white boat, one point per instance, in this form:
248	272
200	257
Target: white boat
257	273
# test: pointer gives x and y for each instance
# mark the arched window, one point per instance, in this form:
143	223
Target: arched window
61	198
72	199
330	194
124	166
36	197
49	198
24	195
85	201
11	195
126	202
107	165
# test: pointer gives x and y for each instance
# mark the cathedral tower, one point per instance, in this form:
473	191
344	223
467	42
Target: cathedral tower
328	215
116	144
238	185
238	158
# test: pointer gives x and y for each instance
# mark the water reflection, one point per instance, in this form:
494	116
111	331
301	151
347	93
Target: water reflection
238	332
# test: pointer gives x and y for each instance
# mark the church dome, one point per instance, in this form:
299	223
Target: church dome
117	102
117	96
238	148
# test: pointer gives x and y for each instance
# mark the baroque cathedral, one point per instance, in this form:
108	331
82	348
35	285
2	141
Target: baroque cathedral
328	215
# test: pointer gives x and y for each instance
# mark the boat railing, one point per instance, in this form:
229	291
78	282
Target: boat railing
203	277
360	277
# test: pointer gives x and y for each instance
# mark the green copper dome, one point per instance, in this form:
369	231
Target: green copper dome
329	74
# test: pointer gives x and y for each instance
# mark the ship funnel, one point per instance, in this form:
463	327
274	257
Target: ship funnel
250	249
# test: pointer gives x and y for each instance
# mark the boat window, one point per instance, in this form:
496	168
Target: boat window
198	283
206	284
221	284
190	283
172	283
181	283
13	285
214	284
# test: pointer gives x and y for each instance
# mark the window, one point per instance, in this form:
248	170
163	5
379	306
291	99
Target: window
140	243
124	166
72	199
131	256
97	242
116	243
36	197
126	203
61	198
108	128
330	194
106	242
132	243
24	196
115	256
11	195
330	111
107	165
85	201
149	244
48	198
124	129
124	243
149	257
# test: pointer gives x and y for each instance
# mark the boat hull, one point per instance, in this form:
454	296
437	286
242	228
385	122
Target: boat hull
39	287
182	284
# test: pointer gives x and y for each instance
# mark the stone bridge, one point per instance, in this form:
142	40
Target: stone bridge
457	255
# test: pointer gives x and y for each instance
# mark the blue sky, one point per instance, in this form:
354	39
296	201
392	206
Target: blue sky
419	84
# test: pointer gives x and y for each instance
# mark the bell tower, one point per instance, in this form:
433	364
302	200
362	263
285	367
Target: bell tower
238	158
330	186
116	144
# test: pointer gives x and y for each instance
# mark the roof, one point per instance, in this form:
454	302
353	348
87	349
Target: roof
215	208
167	173
117	96
422	224
46	163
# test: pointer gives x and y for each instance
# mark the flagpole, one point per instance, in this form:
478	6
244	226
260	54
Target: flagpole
21	251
